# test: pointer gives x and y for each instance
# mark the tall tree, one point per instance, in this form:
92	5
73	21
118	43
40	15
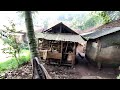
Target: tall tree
105	16
96	18
39	72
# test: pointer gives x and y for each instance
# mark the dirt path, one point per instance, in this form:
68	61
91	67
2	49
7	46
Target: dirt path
81	72
63	72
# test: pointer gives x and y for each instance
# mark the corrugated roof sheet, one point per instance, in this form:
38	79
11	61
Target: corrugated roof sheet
102	32
60	37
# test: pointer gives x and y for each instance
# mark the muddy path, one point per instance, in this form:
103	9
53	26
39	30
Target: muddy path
63	72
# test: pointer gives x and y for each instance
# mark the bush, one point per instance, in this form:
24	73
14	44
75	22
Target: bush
12	63
25	46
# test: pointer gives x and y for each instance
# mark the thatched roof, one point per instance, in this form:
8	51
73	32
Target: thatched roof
60	37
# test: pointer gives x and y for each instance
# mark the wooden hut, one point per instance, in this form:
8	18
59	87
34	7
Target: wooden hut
59	44
103	45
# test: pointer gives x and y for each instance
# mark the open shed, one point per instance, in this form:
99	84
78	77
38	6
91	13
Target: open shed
59	44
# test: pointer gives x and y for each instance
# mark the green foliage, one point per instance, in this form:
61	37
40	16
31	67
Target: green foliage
14	46
93	21
78	21
12	63
96	18
24	46
105	17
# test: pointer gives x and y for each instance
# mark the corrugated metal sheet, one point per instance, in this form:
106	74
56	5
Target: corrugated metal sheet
101	32
60	37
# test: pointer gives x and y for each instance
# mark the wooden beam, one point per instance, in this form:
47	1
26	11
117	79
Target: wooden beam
75	48
66	47
74	52
61	51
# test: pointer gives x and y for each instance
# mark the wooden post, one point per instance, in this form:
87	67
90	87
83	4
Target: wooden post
66	47
74	52
61	51
75	48
49	45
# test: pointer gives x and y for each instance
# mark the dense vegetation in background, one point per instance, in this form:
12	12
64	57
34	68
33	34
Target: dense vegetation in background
82	22
85	21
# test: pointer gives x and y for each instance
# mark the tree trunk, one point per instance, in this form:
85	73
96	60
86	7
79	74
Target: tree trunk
16	59
38	71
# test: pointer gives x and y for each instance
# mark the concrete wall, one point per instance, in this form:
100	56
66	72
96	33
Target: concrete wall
91	49
106	49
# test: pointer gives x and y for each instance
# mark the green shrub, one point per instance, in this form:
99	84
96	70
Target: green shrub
25	46
12	63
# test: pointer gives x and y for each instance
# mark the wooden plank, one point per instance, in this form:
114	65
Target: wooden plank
54	55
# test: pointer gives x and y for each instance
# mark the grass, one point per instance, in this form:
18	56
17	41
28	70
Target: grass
12	63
